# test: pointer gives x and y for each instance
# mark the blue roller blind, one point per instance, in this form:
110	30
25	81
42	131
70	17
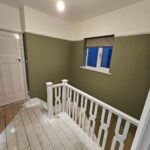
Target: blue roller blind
92	56
106	56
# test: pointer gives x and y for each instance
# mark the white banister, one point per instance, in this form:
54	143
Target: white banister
64	96
134	121
84	109
50	98
118	138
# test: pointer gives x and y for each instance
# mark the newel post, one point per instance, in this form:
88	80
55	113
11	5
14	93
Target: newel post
50	98
64	94
141	139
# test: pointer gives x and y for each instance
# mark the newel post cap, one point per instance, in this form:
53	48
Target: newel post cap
49	83
64	81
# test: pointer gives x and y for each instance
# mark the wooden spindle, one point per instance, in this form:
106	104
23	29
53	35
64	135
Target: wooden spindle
82	115
50	98
69	102
64	94
104	127
57	94
120	137
92	117
75	106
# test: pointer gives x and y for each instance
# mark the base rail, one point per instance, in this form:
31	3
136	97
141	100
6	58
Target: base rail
90	113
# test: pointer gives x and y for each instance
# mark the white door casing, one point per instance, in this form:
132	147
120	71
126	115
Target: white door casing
12	73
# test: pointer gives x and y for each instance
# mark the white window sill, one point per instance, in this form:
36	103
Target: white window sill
102	70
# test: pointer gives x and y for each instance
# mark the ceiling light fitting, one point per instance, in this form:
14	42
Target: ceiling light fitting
60	5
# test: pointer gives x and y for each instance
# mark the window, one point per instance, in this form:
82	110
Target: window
98	52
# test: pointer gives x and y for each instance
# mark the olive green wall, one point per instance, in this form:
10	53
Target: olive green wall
51	59
127	87
48	60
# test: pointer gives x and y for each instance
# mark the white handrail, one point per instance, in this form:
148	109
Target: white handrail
114	110
66	98
57	85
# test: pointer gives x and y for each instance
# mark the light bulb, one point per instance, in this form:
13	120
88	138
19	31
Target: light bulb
60	5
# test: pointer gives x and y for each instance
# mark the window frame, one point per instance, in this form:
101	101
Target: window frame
98	68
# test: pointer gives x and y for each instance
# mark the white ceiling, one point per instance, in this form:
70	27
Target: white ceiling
76	10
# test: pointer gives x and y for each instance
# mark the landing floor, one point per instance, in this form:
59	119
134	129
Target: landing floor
25	126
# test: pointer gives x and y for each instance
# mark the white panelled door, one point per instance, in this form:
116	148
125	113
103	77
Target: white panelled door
12	83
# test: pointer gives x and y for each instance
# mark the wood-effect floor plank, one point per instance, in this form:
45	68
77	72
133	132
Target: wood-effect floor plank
62	137
3	145
74	139
20	130
68	140
12	141
57	144
78	131
31	129
33	139
44	141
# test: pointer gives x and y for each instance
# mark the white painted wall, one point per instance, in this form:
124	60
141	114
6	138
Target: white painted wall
9	18
44	24
133	19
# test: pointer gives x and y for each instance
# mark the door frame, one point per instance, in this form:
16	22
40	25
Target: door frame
24	65
23	59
